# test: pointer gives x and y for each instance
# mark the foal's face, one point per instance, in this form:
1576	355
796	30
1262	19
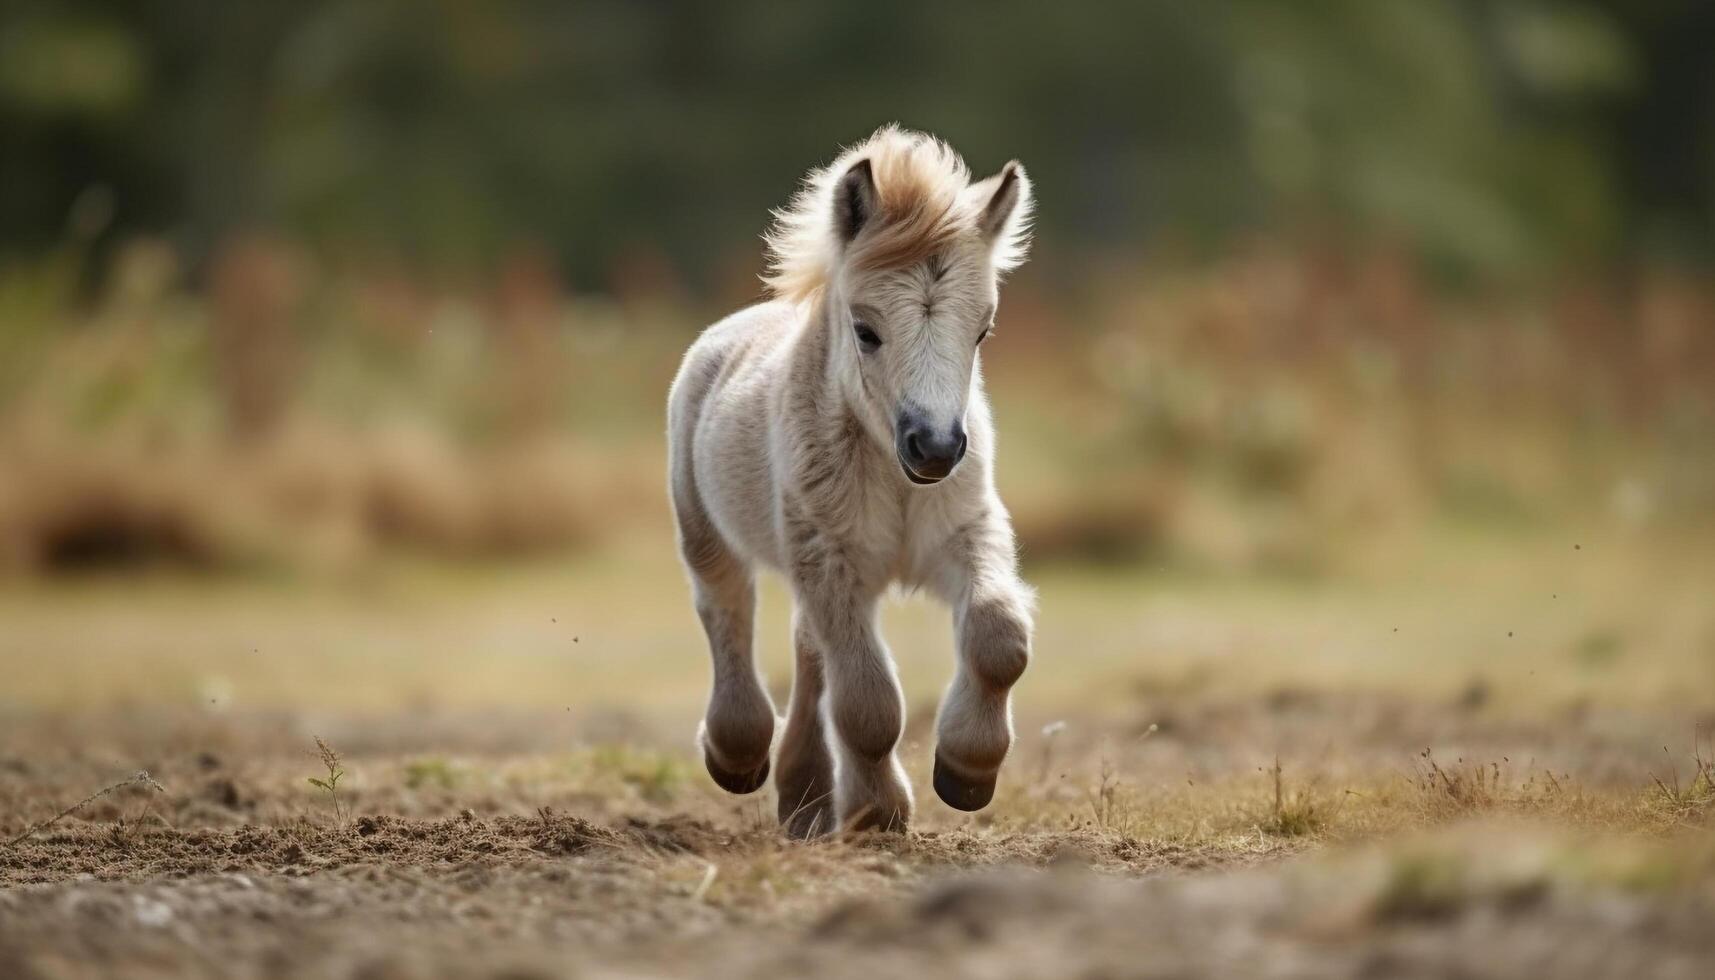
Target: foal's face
915	334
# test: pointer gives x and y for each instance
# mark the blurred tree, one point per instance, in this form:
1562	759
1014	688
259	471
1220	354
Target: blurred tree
1494	137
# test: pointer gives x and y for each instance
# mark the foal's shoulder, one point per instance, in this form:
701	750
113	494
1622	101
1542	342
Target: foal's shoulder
736	347
720	341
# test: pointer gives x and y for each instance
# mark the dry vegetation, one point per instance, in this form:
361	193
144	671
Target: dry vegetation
1256	415
1365	620
619	858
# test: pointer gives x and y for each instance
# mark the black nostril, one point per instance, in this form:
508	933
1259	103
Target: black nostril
913	448
928	455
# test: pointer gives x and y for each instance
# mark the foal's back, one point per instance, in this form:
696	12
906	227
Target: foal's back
718	416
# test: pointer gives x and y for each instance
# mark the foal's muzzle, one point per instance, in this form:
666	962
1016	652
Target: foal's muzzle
927	456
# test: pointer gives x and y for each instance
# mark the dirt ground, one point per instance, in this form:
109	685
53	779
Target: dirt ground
465	845
1495	767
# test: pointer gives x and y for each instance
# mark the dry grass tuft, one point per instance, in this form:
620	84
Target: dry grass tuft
139	778
1691	802
331	761
1464	788
1318	806
1299	812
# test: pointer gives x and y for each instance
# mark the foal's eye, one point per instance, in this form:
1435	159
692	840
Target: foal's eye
985	334
867	338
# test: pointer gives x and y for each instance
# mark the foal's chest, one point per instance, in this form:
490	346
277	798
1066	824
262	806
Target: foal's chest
901	532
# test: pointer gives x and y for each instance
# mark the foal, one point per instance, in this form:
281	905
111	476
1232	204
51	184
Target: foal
839	435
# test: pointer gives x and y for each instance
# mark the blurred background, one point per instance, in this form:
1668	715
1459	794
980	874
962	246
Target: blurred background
335	336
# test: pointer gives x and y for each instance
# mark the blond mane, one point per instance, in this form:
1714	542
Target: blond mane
922	206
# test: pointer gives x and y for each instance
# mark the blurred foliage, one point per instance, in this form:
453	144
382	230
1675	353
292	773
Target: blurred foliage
299	284
1274	411
1494	137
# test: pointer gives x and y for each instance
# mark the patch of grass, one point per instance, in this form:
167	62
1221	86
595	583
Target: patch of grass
1420	885
1691	801
1647	866
330	759
1106	807
1297	808
656	777
1459	787
1300	812
1442	880
1512	865
1465	787
433	773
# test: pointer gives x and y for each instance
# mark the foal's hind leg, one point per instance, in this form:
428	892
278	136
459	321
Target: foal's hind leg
804	777
738	727
866	708
991	627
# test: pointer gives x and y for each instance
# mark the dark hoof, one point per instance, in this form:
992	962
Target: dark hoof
808	822
806	811
873	819
736	782
958	792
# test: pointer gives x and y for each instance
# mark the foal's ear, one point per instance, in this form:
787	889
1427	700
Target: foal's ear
854	201
1004	220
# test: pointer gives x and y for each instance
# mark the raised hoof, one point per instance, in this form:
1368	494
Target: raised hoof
736	782
958	792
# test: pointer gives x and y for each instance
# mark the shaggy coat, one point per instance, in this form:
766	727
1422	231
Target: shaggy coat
839	435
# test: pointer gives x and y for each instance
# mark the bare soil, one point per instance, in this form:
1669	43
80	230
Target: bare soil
483	846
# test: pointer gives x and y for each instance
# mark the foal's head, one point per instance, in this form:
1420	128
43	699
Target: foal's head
905	253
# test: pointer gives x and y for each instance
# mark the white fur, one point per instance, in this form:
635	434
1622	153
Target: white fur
782	455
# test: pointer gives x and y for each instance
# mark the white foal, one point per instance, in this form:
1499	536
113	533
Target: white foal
839	434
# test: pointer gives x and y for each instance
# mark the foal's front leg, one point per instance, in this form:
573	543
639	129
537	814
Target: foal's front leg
865	706
738	727
991	628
